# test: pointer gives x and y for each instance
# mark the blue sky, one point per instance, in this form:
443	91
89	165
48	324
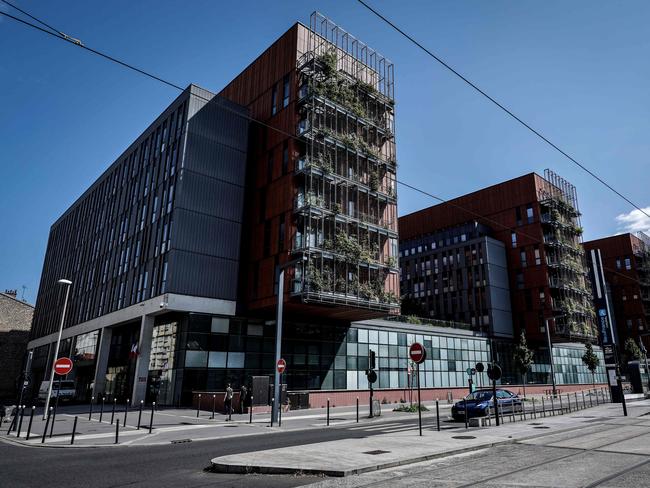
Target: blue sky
578	71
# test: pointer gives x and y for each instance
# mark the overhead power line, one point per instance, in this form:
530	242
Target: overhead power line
501	106
55	33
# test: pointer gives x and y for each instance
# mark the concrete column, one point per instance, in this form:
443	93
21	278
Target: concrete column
142	362
101	364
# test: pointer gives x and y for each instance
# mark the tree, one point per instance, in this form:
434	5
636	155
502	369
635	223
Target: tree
523	357
632	351
591	361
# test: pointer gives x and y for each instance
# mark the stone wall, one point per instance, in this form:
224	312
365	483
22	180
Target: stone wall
15	322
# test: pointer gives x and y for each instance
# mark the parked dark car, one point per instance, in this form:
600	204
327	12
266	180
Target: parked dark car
480	404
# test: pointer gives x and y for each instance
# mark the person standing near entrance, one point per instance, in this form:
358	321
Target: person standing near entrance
227	399
243	394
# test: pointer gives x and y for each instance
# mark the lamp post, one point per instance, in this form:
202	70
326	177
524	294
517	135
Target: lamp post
278	337
550	354
67	284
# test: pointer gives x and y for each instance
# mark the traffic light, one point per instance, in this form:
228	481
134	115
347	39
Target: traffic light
371	359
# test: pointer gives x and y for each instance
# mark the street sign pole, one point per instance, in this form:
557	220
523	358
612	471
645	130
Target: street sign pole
419	404
418	354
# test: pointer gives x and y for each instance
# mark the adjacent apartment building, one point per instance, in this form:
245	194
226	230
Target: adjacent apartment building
174	252
626	266
15	321
505	259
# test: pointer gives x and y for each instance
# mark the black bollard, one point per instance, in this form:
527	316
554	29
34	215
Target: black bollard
113	412
153	407
552	407
198	406
47	421
126	411
357	410
464	408
214	399
575	394
597	400
13	421
328	411
29	426
20	424
437	416
568	399
117	431
534	412
523	409
591	400
101	411
74	430
279	415
250	412
90	408
52	423
543	408
584	404
512	410
140	414
272	403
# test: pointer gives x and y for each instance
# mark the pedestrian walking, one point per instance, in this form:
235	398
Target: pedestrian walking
243	394
227	400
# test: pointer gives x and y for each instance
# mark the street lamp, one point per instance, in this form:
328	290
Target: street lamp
67	284
278	336
550	351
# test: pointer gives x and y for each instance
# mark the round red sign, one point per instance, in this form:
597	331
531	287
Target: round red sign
417	353
63	366
282	365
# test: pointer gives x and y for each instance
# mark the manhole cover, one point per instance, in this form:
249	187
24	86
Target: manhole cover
542	427
181	441
374	453
463	437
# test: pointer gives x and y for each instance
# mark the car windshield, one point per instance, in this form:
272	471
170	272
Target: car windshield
479	396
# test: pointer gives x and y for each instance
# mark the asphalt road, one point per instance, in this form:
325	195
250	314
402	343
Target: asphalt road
165	465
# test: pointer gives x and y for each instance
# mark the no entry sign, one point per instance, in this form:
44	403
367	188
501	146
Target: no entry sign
282	365
417	353
63	366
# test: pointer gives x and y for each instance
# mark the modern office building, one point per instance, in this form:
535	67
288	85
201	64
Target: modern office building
460	274
536	221
626	266
174	252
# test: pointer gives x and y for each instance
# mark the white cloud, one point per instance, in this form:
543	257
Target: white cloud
634	221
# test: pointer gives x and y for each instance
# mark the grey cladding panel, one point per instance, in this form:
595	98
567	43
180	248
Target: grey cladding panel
212	197
199	275
203	234
203	156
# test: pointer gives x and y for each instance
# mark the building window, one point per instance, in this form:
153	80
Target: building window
281	234
518	215
538	257
520	281
513	238
274	99
267	238
542	296
285	158
524	262
628	264
530	214
618	263
286	92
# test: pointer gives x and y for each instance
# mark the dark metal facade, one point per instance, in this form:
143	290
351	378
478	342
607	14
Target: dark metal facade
147	226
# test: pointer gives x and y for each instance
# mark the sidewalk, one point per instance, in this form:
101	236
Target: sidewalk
354	456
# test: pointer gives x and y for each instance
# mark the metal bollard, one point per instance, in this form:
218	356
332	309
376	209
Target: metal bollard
512	410
20	424
90	408
52	423
543	408
575	395
126	411
328	411
597	400
140	414
568	400
113	412
11	424
561	406
47	421
357	410
250	412
591	400
74	430
522	414
437	416
117	431
272	403
101	411
279	414
153	407
552	406
198	406
214	399
465	409
584	404
534	412
31	419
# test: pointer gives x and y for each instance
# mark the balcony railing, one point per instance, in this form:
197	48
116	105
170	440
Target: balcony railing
318	203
